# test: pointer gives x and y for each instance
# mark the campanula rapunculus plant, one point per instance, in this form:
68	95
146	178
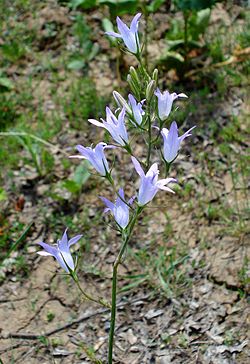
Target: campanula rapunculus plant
119	209
95	156
115	126
150	184
165	102
143	116
61	251
128	35
172	141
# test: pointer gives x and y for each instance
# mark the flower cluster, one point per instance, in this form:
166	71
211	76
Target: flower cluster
146	114
117	129
138	114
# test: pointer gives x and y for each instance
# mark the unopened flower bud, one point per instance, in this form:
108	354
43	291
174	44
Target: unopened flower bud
155	75
135	77
121	102
133	87
150	90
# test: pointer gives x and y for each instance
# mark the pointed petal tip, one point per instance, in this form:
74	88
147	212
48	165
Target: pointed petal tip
182	95
76	156
44	253
113	34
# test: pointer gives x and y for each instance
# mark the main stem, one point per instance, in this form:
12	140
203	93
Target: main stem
113	315
149	142
126	234
186	16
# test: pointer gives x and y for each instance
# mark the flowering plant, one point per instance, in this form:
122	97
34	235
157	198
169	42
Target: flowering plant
147	110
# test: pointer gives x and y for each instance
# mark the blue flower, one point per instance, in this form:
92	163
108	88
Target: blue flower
172	141
61	251
95	156
128	35
119	209
136	109
115	126
149	182
165	102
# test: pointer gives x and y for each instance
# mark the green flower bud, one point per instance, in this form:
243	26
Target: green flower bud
150	90
135	77
155	76
133	87
121	102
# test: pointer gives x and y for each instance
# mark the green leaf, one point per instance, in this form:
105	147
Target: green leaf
175	45
194	4
134	284
200	23
155	5
172	60
12	51
76	65
120	7
6	83
84	4
108	27
174	56
94	51
81	174
3	194
80	177
71	186
203	17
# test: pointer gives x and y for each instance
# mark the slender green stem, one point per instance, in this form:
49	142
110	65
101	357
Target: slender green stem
167	168
149	141
126	234
113	315
100	301
186	16
145	13
142	68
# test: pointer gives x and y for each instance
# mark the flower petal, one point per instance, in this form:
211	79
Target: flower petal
45	254
134	23
74	239
108	203
63	248
138	167
51	250
113	34
121	215
77	156
186	134
153	171
61	261
182	95
147	191
96	122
